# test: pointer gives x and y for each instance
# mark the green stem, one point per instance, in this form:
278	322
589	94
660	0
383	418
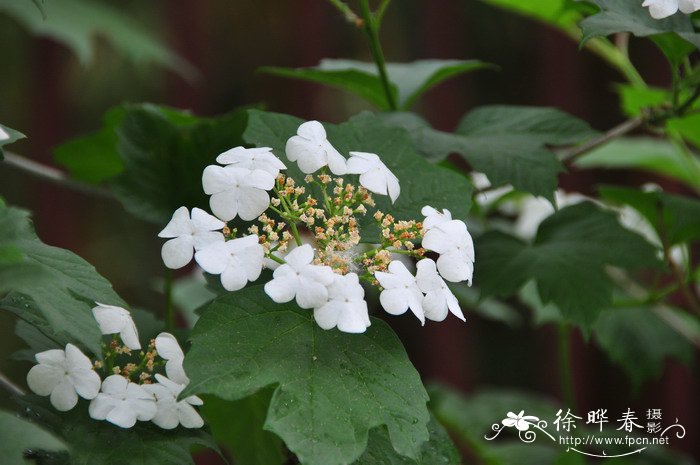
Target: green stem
371	27
350	15
276	258
614	56
169	308
566	375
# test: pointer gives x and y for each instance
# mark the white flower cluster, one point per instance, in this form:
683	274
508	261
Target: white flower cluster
119	398
313	244
659	9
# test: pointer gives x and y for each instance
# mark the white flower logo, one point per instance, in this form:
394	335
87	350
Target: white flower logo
521	421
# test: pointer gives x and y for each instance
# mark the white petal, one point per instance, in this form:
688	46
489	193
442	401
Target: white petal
225	204
75	359
312	130
393	187
3	134
427	276
42	379
309	156
122	415
176	371
204	221
166	416
233	278
110	318
52	357
327	315
455	267
202	239
357	164
87	383
689	6
100	406
177	252
354	318
311	293
145	409
188	416
253	203
216	179
336	162
114	385
302	255
130	335
435	306
260	180
394	301
168	347
282	288
64	397
179	224
214	258
660	9
374	181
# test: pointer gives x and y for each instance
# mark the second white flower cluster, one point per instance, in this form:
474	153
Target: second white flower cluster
65	375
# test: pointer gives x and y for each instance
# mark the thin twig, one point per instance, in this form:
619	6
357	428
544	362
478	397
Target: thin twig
619	130
51	175
9	386
350	15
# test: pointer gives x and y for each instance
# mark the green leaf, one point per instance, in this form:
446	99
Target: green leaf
673	47
688	127
626	16
438	450
63	289
652	155
237	425
408	80
563	14
78	23
680	214
634	99
332	388
191	293
94	442
422	183
14	137
94	158
361	83
567	259
18	435
507	143
164	152
638	340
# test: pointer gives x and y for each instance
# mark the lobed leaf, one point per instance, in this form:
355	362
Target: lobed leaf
331	388
408	81
51	288
18	436
567	259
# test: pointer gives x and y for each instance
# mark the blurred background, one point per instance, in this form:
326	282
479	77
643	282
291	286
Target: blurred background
49	94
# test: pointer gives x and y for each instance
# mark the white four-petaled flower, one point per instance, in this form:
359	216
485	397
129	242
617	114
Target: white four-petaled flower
312	151
171	412
433	217
237	261
456	248
301	279
122	402
117	320
659	9
253	159
169	350
346	307
401	292
188	234
64	375
237	191
374	174
438	299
